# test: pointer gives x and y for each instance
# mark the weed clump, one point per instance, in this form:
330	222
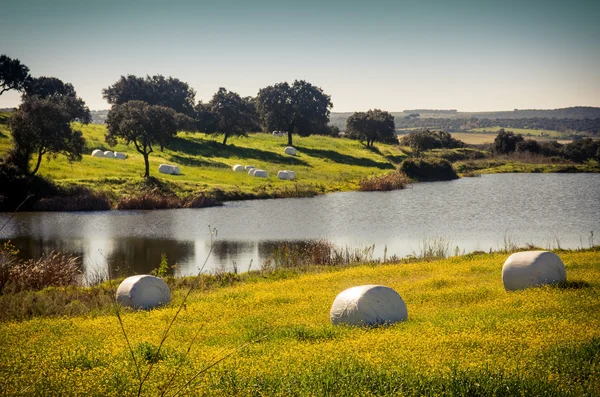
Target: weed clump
50	270
392	181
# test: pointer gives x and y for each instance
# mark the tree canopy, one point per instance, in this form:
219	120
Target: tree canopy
420	141
143	124
299	108
13	74
155	90
232	115
55	89
43	126
506	141
372	126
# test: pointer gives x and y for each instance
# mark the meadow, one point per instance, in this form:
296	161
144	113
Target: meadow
465	335
323	164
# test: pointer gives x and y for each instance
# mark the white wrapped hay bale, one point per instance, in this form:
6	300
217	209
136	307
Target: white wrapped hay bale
238	168
98	153
292	174
290	150
120	156
143	292
249	167
252	171
286	175
368	305
109	154
169	169
530	268
260	173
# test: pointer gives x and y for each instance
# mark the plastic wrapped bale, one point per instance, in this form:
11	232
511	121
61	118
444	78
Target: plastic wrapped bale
120	156
238	168
285	175
165	169
368	305
290	150
169	169
143	292
261	173
292	174
530	268
252	171
109	155
98	153
249	167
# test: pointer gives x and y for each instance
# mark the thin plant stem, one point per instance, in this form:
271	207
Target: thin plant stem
213	235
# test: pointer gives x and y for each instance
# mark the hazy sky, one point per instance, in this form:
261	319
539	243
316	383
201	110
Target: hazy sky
394	55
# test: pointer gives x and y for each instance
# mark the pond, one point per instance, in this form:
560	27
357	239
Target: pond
548	210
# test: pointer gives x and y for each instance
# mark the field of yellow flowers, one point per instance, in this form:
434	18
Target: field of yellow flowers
465	336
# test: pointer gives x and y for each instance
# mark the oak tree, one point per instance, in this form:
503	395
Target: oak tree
142	124
43	126
299	108
372	126
154	90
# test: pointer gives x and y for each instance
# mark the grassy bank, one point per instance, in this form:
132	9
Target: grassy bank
322	165
465	336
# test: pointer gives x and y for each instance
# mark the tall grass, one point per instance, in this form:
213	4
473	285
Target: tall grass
290	255
435	247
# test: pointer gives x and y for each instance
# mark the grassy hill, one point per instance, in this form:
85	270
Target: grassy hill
465	335
322	164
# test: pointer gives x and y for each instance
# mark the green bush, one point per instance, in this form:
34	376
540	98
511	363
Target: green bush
428	169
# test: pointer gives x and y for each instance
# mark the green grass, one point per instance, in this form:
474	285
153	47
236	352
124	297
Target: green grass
324	163
465	335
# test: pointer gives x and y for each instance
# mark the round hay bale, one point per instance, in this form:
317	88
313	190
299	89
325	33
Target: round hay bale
292	174
165	169
368	305
120	156
238	168
260	173
290	150
252	171
109	154
285	175
98	153
249	167
530	268
143	292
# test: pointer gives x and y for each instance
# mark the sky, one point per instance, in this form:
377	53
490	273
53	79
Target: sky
392	55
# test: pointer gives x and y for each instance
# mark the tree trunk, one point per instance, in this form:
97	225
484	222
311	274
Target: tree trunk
147	173
39	160
225	140
289	138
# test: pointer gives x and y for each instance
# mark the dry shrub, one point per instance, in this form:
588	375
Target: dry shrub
152	200
50	270
392	181
201	201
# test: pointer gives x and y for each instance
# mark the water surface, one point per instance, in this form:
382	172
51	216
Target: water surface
472	213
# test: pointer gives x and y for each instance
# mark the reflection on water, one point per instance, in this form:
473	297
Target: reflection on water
473	213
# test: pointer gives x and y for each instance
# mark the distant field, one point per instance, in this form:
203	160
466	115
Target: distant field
477	138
